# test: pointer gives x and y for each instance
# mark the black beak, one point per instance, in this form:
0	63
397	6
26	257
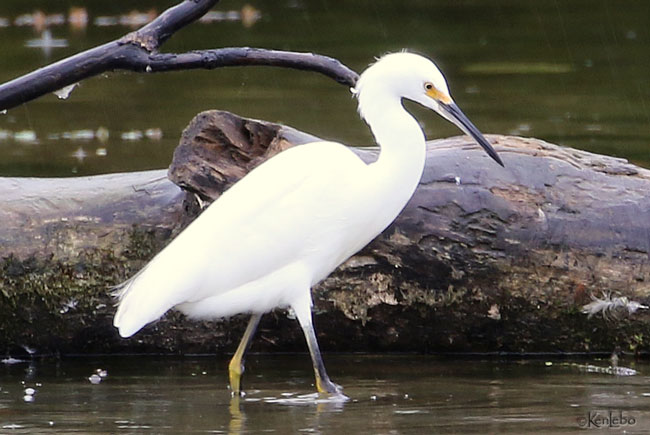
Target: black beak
455	115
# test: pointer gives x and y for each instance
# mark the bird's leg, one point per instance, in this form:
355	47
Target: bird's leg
236	366
323	383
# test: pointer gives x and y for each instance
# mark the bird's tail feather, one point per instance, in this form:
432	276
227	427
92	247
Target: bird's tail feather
120	290
126	320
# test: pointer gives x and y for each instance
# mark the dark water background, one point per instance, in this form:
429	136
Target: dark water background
570	72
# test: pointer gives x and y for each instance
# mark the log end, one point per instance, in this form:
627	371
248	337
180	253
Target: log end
218	148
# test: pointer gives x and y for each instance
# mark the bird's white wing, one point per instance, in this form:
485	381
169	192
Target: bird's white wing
268	219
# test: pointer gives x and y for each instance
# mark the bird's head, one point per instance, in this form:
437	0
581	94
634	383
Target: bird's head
414	77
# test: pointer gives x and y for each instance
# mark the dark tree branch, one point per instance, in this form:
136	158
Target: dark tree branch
138	51
246	56
154	34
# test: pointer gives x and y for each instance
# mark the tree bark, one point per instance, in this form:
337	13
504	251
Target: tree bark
482	259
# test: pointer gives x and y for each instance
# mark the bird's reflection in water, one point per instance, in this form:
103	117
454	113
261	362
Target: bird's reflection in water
324	403
237	416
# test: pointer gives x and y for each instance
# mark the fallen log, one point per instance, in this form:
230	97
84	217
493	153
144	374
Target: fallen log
483	258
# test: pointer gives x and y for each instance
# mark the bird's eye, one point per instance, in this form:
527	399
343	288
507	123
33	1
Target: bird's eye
428	86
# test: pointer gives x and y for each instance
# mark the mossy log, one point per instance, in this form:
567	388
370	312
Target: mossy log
482	259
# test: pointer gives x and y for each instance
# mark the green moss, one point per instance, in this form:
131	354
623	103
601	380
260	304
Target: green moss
144	242
47	302
64	305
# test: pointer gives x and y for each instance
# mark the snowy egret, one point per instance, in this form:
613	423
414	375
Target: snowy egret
292	220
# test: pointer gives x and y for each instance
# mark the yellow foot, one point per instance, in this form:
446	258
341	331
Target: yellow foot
234	374
325	386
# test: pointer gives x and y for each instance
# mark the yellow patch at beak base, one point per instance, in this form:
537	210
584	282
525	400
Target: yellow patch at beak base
437	95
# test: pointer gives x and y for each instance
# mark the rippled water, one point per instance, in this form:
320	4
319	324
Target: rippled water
397	394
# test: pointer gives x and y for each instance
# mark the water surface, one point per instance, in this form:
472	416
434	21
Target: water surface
395	394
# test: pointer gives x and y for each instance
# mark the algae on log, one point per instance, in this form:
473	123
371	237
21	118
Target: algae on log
482	258
64	242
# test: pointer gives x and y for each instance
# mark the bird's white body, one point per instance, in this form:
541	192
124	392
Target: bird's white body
267	240
291	221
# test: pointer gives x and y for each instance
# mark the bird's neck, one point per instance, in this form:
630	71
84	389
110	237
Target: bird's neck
402	143
401	160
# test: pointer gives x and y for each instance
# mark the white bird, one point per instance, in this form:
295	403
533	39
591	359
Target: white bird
292	220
